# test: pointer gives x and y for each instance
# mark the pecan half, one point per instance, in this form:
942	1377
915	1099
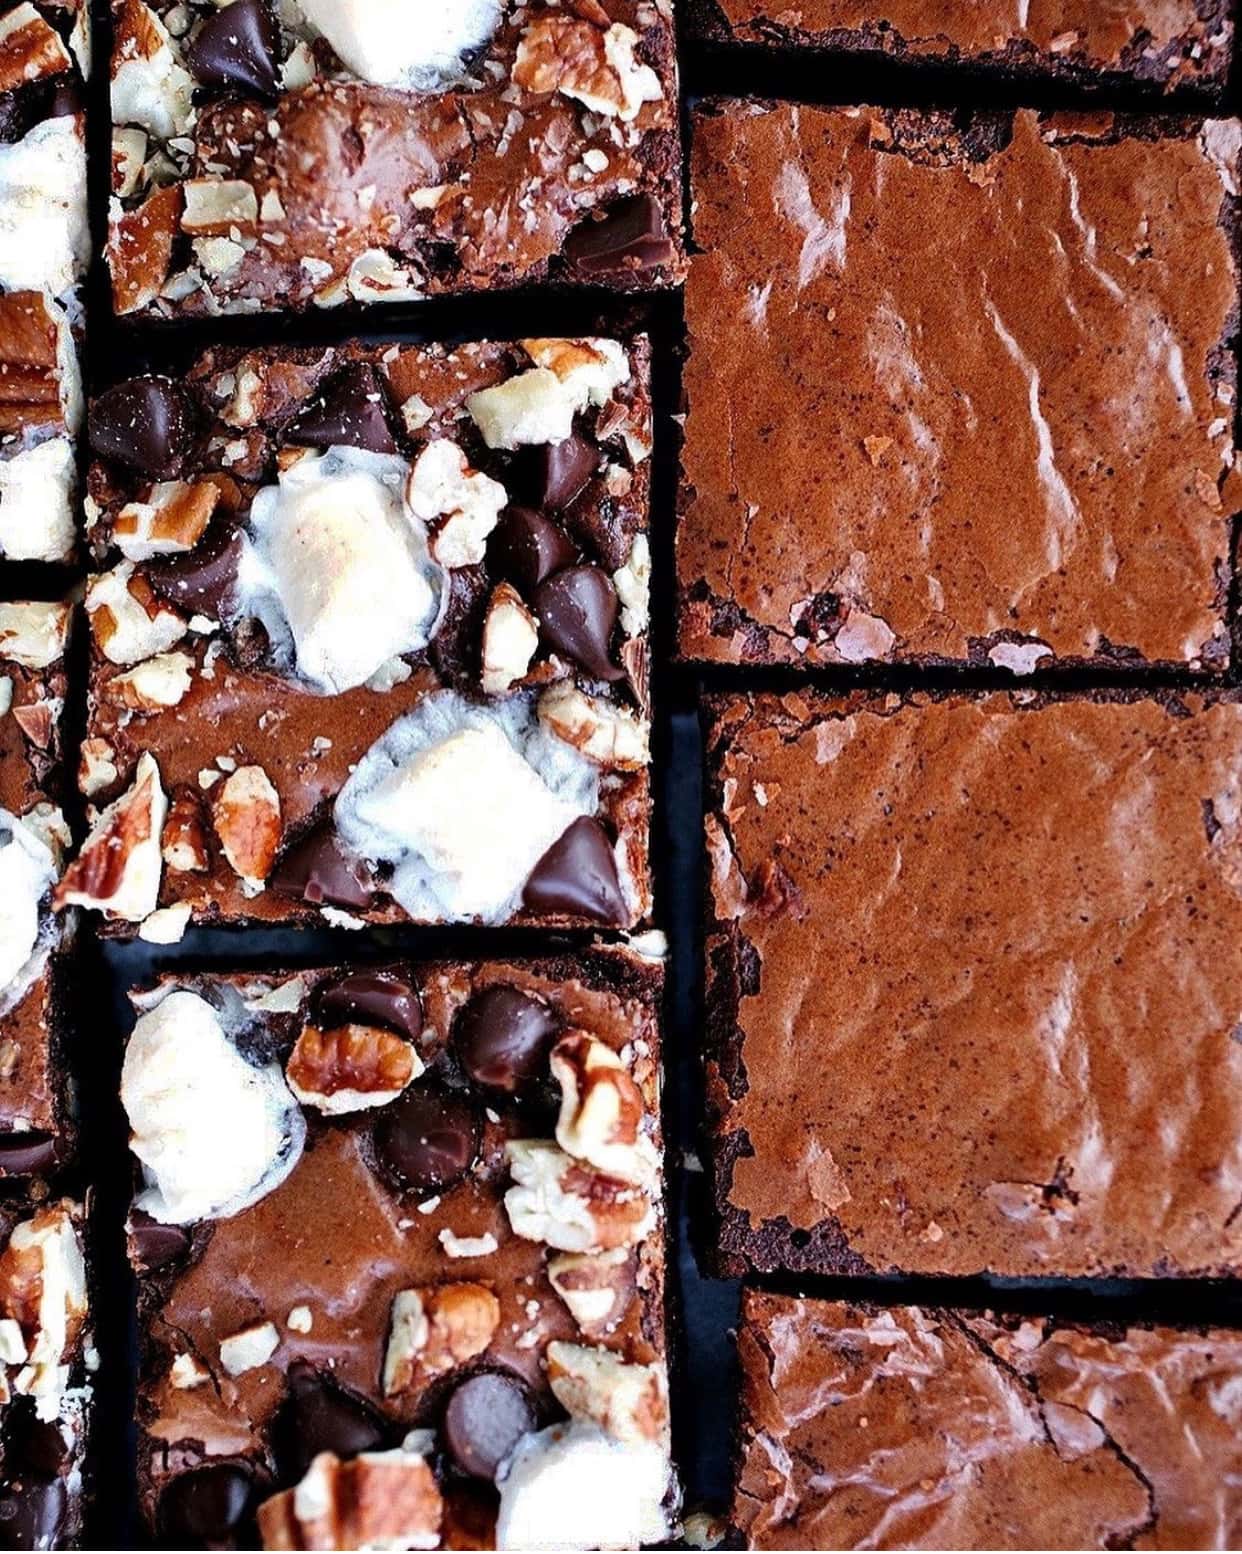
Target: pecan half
246	815
350	1068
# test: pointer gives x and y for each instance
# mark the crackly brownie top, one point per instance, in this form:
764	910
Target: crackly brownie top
309	151
358	594
975	983
440	1212
912	1427
958	392
1174	42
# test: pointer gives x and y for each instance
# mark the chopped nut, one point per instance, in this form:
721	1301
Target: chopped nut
606	734
43	1290
350	1068
166	925
596	1287
466	1246
460	503
246	815
129	154
186	1373
118	870
31	367
510	640
184	841
300	1320
568	1206
128	621
96	767
149	85
216	207
629	1402
153	685
247	1350
434	1330
30	50
601	1109
38	721
140	248
633	585
377	1500
173	518
34	634
597	67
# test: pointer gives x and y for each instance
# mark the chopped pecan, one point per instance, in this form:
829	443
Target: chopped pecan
38	720
606	734
30	384
43	1290
140	248
128	621
434	1330
33	634
184	841
30	50
350	1067
246	815
153	685
601	1109
569	1206
596	1287
594	65
629	1402
118	870
173	517
510	640
378	1500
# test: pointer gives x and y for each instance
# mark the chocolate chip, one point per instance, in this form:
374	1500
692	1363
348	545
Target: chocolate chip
427	1140
577	877
372	998
503	1036
65	100
238	50
318	1415
21	1154
352	411
15	116
525	547
555	472
146	423
32	1513
630	236
204	1507
152	1245
577	609
201	581
32	1446
317	869
486	1417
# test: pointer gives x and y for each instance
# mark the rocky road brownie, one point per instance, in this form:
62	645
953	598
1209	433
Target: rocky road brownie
419	1301
36	1123
973	978
908	1427
279	155
1028	466
1171	44
373	639
44	247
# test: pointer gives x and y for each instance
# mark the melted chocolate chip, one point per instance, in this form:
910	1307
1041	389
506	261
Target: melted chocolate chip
152	1245
65	100
352	412
205	1507
238	50
32	1513
201	581
145	423
427	1140
503	1036
486	1417
630	236
577	609
577	877
318	1415
372	998
555	472
317	869
21	1154
525	547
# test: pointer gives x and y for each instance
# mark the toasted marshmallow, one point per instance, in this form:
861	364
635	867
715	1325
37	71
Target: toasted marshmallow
27	874
44	237
36	502
183	1082
421	47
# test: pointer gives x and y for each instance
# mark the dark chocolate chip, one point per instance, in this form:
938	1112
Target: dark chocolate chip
146	423
525	547
427	1140
238	50
352	411
318	1415
630	236
205	1507
503	1037
577	877
65	100
486	1417
32	1446
22	1154
318	870
201	581
555	472
32	1513
152	1245
372	998
577	609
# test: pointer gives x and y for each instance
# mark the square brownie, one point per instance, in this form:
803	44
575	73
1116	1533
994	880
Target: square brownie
314	153
44	249
972	984
426	1282
1028	466
371	638
36	1102
917	1428
1168	44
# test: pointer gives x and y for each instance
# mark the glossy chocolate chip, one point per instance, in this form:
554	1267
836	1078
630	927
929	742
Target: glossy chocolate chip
205	1507
556	472
577	877
22	1154
486	1417
152	1245
317	1415
372	998
427	1140
503	1037
65	100
352	412
238	50
32	1513
630	236
577	609
145	423
525	547
318	870
201	581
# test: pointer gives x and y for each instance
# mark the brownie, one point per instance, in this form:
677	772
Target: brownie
369	637
36	1103
1026	465
1166	44
319	153
972	980
44	248
426	1283
918	1428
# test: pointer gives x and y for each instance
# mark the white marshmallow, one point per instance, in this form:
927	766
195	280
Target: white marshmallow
418	46
27	874
44	237
539	405
36	502
154	91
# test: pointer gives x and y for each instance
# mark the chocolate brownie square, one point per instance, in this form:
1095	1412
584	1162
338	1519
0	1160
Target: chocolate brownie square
369	638
318	153
917	1428
419	1302
973	969
960	388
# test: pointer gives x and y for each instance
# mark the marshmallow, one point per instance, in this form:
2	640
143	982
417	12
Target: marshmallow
44	237
418	46
27	874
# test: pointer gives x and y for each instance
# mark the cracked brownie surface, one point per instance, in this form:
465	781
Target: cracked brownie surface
909	1427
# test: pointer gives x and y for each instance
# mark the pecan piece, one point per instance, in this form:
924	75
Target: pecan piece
350	1068
434	1330
246	815
118	870
379	1500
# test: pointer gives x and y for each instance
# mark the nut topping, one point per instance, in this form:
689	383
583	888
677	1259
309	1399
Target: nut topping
350	1068
596	67
153	685
377	1500
568	1206
597	1287
43	1290
628	1401
118	870
34	634
608	735
246	815
30	50
434	1330
601	1109
510	640
184	842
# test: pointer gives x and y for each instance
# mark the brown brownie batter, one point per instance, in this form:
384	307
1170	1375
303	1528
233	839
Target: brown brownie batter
958	393
912	1427
973	984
